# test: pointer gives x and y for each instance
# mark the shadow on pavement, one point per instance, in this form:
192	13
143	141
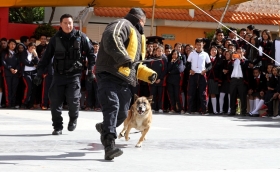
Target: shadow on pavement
25	135
271	123
69	156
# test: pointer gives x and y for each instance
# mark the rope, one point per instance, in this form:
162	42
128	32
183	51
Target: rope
230	30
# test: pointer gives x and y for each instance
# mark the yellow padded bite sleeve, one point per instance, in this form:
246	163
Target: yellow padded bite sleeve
144	72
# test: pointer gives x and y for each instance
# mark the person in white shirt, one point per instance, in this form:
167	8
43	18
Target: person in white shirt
237	86
199	63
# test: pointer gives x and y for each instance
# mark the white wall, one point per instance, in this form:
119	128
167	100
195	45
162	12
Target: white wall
59	11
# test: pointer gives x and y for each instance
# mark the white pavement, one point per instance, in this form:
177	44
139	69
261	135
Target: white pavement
174	143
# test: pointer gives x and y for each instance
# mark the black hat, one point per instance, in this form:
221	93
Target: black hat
138	12
154	39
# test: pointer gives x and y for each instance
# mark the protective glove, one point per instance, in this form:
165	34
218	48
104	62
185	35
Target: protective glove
90	77
37	79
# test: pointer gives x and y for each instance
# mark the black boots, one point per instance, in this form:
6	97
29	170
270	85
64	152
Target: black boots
98	127
57	132
111	151
72	124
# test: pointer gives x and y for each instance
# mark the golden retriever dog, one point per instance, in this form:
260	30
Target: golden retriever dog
139	117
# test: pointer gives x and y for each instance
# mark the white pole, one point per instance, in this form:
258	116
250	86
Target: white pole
153	17
224	13
80	25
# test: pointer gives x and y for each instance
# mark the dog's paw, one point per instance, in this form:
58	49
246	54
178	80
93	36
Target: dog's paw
139	145
127	138
120	136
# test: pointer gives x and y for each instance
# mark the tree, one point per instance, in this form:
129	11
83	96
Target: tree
44	29
26	14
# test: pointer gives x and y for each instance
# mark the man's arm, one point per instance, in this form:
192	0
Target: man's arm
47	57
88	49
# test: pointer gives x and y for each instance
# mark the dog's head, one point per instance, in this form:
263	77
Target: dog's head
142	104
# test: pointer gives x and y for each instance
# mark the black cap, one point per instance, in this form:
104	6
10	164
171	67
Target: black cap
154	39
138	12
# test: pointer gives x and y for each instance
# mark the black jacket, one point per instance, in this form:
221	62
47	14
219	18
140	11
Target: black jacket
9	62
40	50
258	86
119	40
226	65
160	67
174	70
67	41
272	82
216	70
26	62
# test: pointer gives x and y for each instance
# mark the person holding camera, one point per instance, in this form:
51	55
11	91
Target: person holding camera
65	47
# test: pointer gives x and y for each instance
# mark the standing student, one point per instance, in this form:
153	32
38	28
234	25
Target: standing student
225	77
266	46
40	49
175	68
20	88
29	63
200	63
214	81
252	54
11	66
156	89
237	85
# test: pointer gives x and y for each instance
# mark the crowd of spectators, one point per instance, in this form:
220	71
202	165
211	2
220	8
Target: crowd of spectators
218	76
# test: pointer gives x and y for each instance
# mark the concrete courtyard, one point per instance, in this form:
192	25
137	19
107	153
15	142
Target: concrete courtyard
174	143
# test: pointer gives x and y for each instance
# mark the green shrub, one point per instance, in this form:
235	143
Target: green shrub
44	29
211	34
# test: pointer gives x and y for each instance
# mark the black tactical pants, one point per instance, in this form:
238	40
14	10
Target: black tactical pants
114	98
62	87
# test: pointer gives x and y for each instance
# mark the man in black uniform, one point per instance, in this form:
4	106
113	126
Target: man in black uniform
122	44
66	47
